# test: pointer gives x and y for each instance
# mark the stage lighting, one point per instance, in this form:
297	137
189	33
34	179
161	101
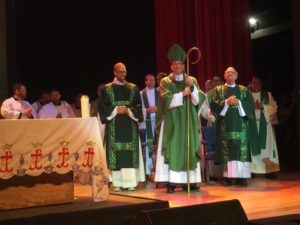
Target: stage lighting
253	24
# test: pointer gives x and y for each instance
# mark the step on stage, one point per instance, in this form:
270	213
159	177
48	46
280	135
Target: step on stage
118	209
263	202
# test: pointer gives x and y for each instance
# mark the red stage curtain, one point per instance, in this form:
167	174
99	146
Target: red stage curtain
218	27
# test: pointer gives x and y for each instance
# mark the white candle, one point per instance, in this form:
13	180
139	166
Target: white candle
85	106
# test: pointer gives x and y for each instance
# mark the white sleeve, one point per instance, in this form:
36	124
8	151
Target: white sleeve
41	113
45	112
195	96
70	110
8	113
177	100
206	112
34	106
241	110
33	113
130	114
113	114
225	109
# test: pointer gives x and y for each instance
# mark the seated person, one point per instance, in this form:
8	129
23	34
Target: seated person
56	108
16	107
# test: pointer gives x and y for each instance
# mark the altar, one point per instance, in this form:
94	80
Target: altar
38	157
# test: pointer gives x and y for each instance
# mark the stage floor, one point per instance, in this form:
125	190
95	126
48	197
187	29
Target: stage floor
262	198
117	209
81	203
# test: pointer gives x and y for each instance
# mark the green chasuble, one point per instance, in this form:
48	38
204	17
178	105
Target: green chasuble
209	96
148	122
121	133
258	137
174	138
232	129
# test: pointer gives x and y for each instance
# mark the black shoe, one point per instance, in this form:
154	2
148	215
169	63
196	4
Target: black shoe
271	176
161	184
242	182
170	189
227	182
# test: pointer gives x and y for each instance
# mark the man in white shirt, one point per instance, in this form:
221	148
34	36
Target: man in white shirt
149	97
264	156
56	108
43	100
16	107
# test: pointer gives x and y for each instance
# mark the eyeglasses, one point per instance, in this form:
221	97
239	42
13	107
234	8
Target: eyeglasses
230	72
177	63
120	71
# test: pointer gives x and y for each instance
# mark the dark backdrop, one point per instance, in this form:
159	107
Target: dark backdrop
73	45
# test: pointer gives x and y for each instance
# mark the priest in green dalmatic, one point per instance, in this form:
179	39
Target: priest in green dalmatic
264	154
120	109
175	91
232	105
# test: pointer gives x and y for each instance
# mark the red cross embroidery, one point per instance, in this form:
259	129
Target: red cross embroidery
36	156
64	152
89	153
7	156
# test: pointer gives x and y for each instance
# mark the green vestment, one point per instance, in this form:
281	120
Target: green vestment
258	135
121	132
148	121
232	129
175	134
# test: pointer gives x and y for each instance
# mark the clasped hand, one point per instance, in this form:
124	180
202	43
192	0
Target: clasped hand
188	81
257	105
151	109
122	110
27	112
186	91
232	100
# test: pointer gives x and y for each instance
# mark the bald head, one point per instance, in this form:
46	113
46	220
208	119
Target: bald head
231	69
120	71
208	85
119	65
230	75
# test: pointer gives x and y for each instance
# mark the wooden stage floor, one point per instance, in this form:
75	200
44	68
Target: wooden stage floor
262	198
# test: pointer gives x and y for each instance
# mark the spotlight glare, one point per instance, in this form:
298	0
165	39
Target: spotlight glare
252	21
